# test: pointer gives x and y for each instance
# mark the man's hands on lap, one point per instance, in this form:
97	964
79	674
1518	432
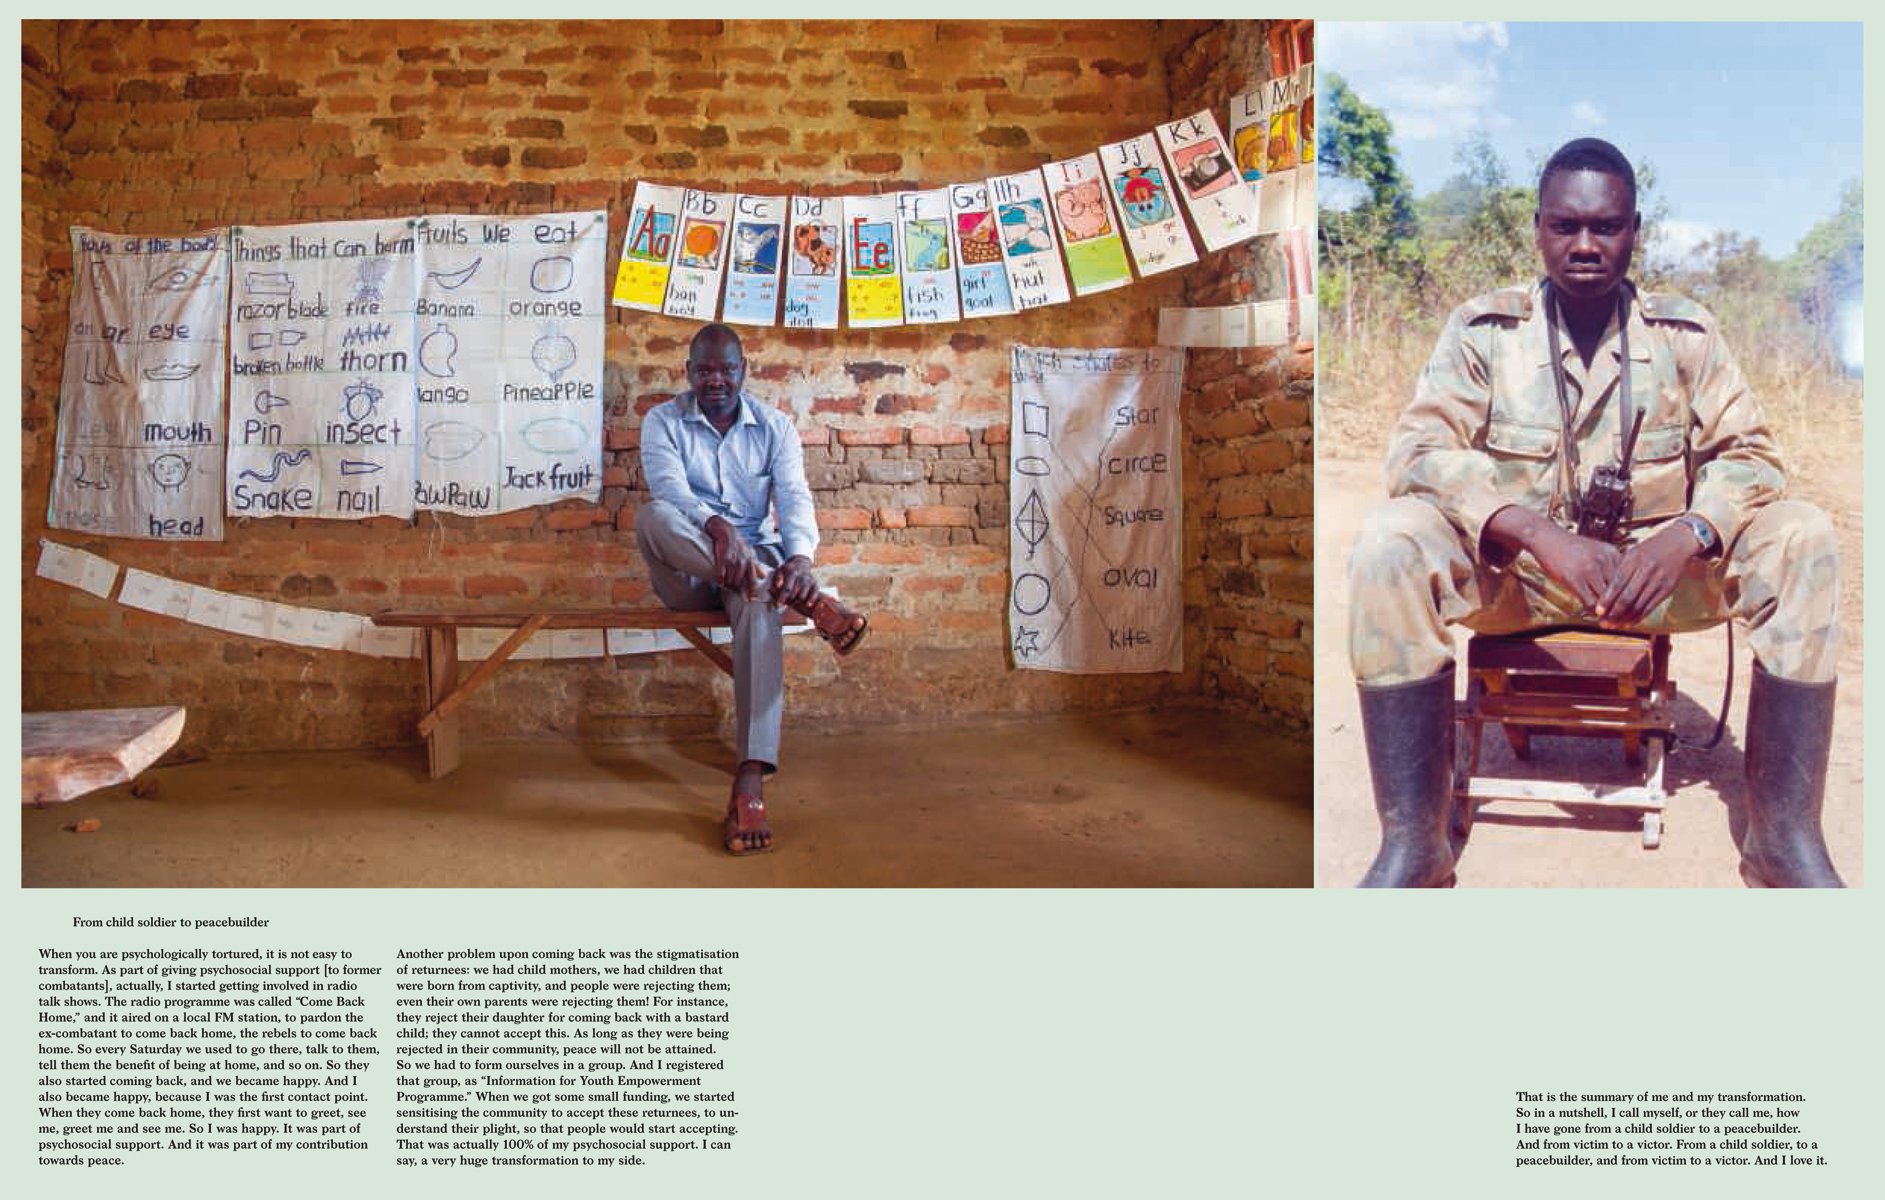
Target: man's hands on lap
793	583
734	563
1618	587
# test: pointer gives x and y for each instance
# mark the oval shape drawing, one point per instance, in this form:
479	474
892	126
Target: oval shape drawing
1032	464
554	435
448	441
1031	593
553	274
436	353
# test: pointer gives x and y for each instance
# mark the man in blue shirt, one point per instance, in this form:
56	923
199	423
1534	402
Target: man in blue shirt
717	463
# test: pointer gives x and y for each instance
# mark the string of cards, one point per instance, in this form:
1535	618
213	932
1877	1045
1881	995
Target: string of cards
986	248
326	629
453	363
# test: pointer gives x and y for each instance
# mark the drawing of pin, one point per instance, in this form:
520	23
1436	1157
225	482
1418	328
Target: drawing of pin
266	402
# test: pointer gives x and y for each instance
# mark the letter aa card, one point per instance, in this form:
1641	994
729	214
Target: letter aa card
758	255
1141	185
929	269
979	265
1028	245
1096	258
1221	207
654	216
873	282
812	272
700	255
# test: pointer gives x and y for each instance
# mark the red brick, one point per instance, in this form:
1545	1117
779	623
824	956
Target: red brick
886	435
940	515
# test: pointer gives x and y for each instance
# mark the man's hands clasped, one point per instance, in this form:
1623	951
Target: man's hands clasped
737	567
1620	587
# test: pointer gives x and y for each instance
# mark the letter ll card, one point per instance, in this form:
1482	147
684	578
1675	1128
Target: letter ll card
1221	207
654	218
700	256
758	258
1249	125
812	272
873	283
1155	232
1096	257
929	268
1028	244
979	265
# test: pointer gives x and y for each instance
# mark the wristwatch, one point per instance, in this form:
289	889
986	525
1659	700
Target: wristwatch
1703	531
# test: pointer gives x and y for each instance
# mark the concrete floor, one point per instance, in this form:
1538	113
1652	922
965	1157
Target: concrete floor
1172	798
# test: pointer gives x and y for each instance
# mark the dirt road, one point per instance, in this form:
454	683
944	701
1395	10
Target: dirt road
1541	846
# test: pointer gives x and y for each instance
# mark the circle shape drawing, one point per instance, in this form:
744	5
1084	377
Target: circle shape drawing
1031	593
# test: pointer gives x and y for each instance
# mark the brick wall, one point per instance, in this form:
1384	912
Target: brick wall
166	126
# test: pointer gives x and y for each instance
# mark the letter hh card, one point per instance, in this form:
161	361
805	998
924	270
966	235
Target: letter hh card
1096	257
700	255
929	270
753	271
141	425
654	218
1028	245
1137	179
324	331
812	266
510	360
979	266
1220	205
873	284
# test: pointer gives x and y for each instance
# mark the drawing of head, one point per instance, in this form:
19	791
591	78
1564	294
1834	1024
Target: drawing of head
977	233
170	470
814	248
1143	197
1024	228
1204	170
755	248
926	245
700	244
1083	212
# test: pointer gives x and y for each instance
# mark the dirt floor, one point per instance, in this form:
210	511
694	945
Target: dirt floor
1145	799
1533	845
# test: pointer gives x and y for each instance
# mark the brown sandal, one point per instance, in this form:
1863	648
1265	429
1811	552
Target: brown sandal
745	819
840	626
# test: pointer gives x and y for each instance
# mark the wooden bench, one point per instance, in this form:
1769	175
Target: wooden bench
444	691
64	755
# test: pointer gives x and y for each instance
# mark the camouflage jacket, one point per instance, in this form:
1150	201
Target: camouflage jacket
1484	427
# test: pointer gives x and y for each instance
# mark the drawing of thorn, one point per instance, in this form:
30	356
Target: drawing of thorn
349	466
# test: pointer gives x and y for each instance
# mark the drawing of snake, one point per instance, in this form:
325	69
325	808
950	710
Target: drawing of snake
282	458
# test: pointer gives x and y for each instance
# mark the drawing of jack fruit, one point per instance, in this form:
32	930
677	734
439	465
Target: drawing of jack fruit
554	435
1031	522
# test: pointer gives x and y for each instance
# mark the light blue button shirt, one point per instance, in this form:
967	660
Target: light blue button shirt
741	476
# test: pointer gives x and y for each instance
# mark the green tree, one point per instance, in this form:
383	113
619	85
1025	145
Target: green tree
1367	233
1827	272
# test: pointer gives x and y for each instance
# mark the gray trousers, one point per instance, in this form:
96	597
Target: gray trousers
679	555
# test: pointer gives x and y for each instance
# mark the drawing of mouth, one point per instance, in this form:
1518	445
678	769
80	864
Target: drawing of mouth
171	372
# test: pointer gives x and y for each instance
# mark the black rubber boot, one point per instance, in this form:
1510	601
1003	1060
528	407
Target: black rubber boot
1790	737
1409	731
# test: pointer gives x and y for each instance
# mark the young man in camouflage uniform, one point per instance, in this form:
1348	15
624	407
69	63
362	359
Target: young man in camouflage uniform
1484	480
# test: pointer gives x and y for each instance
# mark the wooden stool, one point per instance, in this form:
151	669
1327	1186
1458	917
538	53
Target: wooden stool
1570	682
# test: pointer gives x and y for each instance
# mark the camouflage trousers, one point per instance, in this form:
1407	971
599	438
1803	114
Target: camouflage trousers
1411	575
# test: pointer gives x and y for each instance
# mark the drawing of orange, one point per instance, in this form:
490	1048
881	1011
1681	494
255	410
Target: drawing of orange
702	241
